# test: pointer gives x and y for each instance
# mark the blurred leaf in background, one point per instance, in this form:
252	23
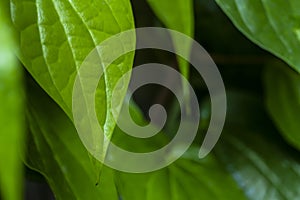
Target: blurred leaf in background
254	153
282	86
179	17
11	115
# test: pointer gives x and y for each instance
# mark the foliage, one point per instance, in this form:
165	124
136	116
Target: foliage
257	156
11	117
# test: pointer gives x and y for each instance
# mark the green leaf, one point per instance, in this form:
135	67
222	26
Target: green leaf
254	153
55	150
282	87
177	15
250	152
187	178
271	24
55	37
263	168
11	117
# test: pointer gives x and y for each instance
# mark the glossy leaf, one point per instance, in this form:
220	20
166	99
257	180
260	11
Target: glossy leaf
254	153
11	117
272	24
263	168
55	150
55	37
282	88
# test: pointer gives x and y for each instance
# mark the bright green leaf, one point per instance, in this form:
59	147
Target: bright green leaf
11	117
55	150
54	39
282	86
272	24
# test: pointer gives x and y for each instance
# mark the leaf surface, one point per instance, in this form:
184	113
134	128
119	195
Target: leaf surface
271	24
55	37
187	178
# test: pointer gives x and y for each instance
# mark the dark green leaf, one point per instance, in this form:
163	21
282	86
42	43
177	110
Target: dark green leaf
272	24
254	153
55	150
263	168
282	87
185	179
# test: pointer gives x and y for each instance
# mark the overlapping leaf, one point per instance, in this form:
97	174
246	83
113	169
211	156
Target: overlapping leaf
54	150
185	179
254	153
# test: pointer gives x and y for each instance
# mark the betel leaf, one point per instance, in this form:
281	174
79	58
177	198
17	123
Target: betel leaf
282	87
271	24
55	37
256	156
187	178
179	16
263	168
11	117
55	150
